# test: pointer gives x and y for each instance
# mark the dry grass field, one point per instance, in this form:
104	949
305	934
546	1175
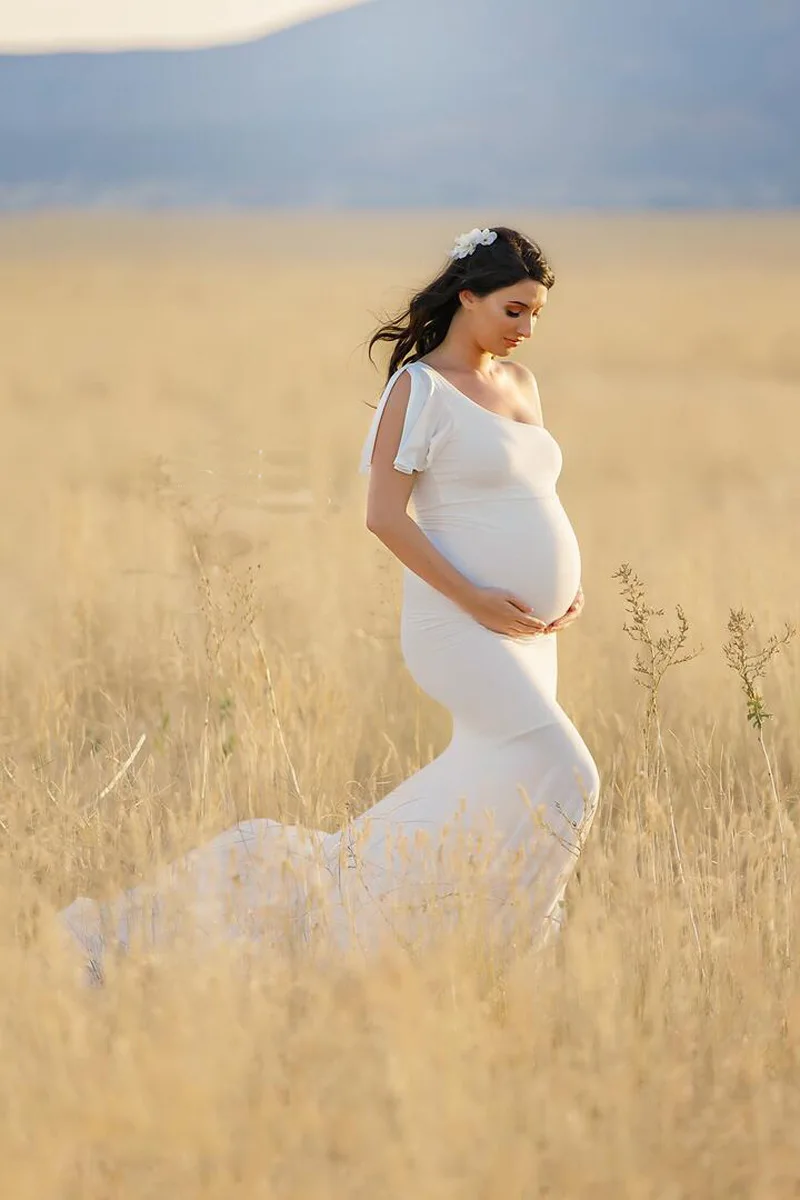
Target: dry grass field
182	404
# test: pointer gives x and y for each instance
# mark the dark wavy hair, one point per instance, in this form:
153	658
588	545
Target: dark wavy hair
422	326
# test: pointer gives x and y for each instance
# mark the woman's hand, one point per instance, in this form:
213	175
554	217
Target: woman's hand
503	612
573	612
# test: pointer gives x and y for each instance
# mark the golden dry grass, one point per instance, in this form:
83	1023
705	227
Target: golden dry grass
176	387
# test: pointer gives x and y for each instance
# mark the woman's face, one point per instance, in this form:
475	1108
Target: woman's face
502	320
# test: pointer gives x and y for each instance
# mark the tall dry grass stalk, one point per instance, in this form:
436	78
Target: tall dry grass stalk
750	666
196	631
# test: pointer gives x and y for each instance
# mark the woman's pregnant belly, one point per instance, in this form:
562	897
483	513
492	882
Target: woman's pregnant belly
524	544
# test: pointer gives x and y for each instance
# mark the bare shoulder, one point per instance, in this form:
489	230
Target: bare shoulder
523	376
526	382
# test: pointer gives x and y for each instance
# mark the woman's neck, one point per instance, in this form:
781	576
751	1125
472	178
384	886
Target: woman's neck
463	354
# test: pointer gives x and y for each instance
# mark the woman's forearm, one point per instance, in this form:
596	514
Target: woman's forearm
407	542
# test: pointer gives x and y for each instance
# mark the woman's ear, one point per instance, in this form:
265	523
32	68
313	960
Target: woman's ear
467	297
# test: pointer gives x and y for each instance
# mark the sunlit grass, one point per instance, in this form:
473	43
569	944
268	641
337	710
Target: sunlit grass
185	562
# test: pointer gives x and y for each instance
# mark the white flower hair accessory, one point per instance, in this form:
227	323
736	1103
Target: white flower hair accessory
465	243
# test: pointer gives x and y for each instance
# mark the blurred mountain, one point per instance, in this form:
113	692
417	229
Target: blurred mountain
402	103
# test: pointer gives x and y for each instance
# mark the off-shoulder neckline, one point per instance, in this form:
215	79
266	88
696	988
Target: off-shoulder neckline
481	408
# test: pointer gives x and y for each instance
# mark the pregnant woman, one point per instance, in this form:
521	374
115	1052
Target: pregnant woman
492	565
491	574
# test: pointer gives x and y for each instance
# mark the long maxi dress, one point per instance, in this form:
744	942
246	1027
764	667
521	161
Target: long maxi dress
502	812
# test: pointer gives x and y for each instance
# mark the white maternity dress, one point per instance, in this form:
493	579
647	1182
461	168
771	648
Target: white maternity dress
502	812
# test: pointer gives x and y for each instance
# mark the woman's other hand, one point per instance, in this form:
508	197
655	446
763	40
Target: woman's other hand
573	612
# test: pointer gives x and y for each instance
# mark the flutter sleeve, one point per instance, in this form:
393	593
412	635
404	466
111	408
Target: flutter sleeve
423	426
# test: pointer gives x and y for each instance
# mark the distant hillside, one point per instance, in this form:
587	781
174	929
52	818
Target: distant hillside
426	103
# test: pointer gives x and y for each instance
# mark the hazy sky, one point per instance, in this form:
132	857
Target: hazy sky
50	24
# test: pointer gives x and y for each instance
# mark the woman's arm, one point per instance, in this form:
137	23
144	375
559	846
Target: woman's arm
387	502
401	534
